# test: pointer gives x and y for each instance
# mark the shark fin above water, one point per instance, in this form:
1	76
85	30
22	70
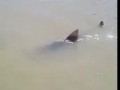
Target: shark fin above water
73	36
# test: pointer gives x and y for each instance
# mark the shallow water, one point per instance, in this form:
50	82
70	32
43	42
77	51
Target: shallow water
29	26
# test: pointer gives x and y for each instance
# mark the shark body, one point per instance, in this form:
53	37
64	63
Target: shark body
75	37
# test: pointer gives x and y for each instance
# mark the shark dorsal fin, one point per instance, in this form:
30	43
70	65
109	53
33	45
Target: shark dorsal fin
73	36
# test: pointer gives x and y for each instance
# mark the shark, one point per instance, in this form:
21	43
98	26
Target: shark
60	44
72	39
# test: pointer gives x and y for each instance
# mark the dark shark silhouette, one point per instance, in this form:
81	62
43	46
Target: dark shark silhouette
71	39
57	45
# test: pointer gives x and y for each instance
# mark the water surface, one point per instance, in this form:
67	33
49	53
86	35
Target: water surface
29	25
